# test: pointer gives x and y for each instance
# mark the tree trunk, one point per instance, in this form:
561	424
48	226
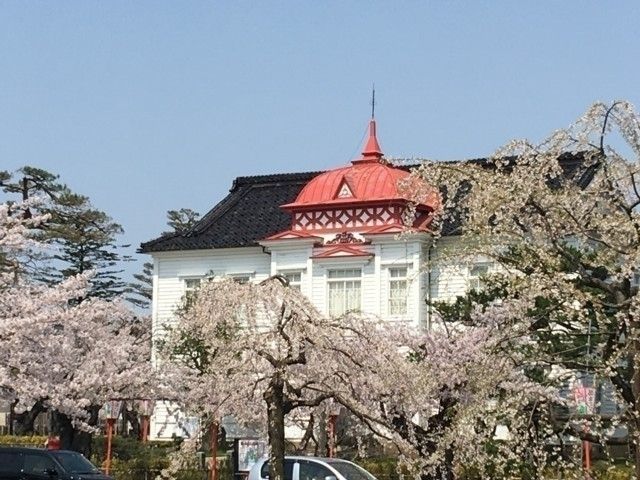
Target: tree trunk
131	418
321	446
445	471
24	421
422	437
72	438
63	428
274	396
308	435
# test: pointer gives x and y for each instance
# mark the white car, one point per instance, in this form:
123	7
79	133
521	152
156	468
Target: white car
312	468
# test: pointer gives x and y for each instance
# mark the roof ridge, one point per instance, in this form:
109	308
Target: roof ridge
165	236
272	177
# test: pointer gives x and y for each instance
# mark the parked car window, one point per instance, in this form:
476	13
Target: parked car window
74	462
10	462
37	463
288	470
350	471
314	471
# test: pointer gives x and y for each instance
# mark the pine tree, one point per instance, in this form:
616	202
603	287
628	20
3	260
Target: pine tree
83	239
140	291
182	220
78	236
32	181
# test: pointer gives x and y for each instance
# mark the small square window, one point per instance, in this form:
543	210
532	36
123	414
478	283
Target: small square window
191	284
294	278
477	274
240	278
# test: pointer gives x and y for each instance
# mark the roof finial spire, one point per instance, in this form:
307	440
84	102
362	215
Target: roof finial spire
372	151
373	102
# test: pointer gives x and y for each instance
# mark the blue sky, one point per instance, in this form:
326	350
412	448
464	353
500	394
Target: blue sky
157	105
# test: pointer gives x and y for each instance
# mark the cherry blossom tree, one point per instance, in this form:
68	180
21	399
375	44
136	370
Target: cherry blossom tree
442	397
258	352
263	354
61	354
560	221
15	226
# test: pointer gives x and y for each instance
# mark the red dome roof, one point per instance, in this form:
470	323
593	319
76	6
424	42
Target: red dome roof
368	178
360	182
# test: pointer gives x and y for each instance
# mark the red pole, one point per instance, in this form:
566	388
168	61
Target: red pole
586	446
587	456
331	443
145	428
110	422
214	450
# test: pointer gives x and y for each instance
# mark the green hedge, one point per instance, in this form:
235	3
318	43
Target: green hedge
27	441
383	468
599	471
133	460
127	448
137	469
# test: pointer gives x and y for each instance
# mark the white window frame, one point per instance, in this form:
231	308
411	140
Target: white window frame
190	285
344	280
296	284
397	279
196	282
475	280
241	277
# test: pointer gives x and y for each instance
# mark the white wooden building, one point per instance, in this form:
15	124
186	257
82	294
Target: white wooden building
335	235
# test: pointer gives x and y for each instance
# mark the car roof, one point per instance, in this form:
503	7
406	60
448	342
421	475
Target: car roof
31	450
319	459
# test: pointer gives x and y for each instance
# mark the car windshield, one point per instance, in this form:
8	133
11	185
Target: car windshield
351	471
74	462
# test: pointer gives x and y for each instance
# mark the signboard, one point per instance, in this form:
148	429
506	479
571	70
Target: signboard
248	452
585	398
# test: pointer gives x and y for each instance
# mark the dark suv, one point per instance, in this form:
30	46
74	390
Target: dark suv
38	464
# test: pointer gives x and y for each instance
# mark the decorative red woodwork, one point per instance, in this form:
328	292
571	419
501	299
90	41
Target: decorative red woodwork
340	251
291	235
344	237
347	218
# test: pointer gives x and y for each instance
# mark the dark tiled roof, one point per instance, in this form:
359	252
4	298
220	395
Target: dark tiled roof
251	211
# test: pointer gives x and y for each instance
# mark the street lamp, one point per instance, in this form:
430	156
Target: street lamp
145	408
111	412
